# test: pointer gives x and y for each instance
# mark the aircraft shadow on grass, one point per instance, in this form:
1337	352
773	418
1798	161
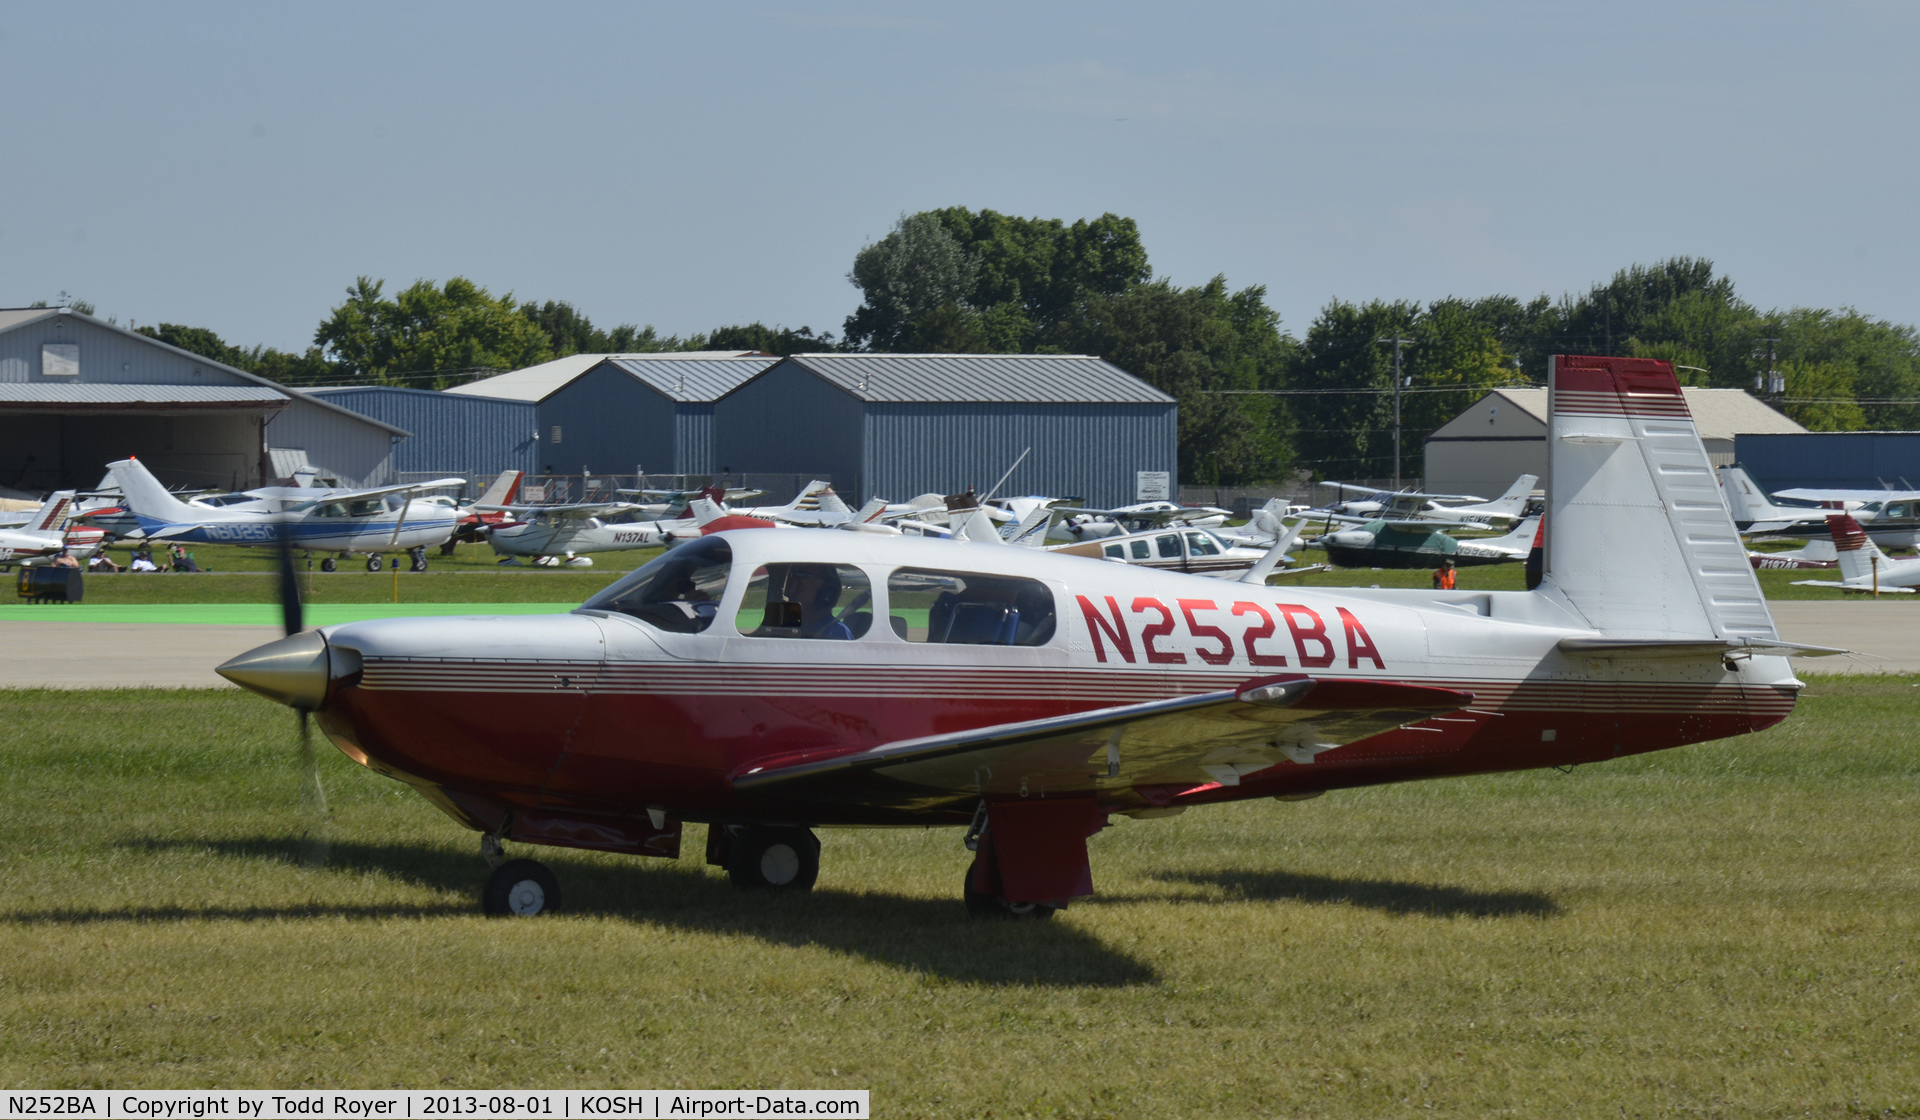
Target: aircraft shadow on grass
932	936
1385	895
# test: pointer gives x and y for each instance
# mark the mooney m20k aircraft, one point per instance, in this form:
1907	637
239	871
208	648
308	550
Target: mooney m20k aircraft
767	684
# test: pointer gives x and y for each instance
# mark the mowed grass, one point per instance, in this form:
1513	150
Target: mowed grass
1723	930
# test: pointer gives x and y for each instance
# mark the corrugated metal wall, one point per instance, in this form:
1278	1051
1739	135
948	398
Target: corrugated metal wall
789	421
359	454
452	434
1092	450
693	446
106	356
1835	460
609	422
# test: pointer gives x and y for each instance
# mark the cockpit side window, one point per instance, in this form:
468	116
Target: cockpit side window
829	602
964	608
678	590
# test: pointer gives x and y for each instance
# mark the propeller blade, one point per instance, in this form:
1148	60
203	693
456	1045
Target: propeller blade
314	847
290	612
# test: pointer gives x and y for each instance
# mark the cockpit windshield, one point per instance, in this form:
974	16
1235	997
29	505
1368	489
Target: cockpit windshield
678	590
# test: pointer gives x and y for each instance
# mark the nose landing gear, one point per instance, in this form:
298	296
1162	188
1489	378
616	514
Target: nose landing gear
773	859
517	888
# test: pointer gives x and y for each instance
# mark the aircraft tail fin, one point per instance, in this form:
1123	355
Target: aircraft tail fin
502	490
831	502
704	510
978	527
808	499
870	512
1521	537
1031	532
1857	553
1269	520
1513	503
144	494
53	513
1638	539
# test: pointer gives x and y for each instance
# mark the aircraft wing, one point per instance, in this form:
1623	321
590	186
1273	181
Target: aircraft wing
580	510
376	491
1808	494
1213	737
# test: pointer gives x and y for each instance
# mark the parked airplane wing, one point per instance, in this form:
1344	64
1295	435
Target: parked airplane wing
1213	737
1811	494
375	491
579	510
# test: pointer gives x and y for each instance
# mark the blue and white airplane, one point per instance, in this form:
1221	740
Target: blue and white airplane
368	522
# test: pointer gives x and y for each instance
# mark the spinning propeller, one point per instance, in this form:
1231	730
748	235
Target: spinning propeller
313	796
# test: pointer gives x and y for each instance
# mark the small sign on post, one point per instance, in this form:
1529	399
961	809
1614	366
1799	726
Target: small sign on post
1153	486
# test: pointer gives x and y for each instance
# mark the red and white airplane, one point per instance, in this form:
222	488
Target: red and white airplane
45	536
768	684
1863	567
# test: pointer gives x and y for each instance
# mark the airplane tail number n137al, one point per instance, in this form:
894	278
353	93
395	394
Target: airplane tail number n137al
768	684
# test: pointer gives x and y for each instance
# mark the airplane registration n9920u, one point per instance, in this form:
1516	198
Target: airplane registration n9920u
770	683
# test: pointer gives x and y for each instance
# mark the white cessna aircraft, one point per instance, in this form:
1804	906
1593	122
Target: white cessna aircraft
1863	567
369	521
1410	505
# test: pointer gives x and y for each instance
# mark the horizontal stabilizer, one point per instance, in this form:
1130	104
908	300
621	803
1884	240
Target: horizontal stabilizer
1692	647
1863	587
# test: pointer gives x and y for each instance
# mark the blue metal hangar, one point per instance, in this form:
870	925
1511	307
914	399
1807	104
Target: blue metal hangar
77	392
465	435
619	413
898	425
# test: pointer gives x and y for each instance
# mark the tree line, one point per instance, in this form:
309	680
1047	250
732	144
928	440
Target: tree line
1256	402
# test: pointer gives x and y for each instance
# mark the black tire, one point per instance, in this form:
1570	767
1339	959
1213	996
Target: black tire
374	563
992	906
774	859
327	564
520	888
419	561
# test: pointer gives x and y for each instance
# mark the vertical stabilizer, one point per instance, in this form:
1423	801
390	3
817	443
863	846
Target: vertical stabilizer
1638	539
1856	551
1513	503
146	498
502	490
52	514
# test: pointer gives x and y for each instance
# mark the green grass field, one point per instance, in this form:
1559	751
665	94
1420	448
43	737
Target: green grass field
1724	930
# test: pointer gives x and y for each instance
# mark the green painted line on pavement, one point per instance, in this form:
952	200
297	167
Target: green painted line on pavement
255	614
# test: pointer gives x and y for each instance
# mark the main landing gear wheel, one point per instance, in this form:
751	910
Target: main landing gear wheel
374	563
520	888
774	859
992	906
327	564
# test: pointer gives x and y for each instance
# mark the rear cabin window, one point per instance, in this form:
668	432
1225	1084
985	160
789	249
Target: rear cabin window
827	602
1141	551
1169	546
964	608
678	590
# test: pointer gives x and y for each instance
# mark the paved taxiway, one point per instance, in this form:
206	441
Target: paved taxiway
1886	637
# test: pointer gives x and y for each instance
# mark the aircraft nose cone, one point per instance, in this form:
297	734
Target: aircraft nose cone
292	670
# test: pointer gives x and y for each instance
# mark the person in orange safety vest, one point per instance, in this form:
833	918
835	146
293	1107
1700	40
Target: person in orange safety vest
1443	576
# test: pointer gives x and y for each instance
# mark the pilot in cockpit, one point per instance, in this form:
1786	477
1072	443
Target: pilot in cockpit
816	588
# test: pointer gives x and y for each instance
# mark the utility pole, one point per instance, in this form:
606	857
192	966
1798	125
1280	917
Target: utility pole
1770	383
1398	342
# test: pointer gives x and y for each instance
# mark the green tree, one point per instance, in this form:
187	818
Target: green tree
1820	396
915	271
1191	343
570	332
428	330
279	366
771	340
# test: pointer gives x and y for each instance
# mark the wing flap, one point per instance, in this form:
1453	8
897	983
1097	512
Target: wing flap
1693	647
1185	740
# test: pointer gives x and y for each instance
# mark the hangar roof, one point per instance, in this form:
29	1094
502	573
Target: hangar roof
537	383
1717	413
983	378
94	395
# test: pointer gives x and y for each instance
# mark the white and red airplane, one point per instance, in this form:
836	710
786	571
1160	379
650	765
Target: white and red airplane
768	684
1863	567
45	536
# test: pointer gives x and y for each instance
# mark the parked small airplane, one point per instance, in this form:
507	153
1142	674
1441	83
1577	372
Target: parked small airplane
1755	511
1418	543
1411	505
1814	554
1196	551
1890	517
367	522
1863	567
787	681
565	533
45	535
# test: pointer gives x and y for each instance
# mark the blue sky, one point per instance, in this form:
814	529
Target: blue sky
236	166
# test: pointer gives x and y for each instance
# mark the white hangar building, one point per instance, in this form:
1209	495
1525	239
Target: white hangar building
78	392
1503	435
